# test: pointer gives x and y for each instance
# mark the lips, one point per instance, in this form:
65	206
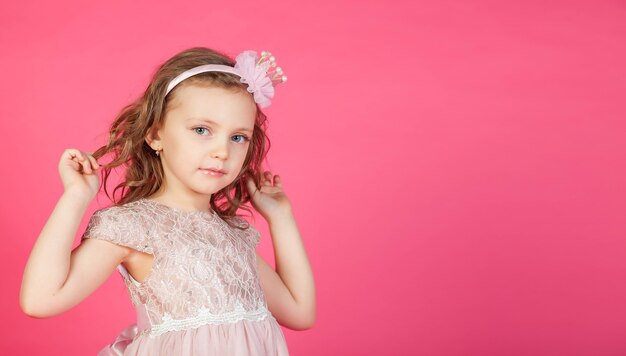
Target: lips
213	171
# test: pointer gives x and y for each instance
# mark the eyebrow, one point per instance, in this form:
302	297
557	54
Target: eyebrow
218	125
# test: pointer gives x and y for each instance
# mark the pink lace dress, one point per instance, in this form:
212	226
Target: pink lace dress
202	295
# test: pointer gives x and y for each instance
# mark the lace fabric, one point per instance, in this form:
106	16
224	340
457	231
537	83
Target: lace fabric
203	272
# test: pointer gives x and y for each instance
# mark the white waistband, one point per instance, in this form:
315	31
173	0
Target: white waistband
204	317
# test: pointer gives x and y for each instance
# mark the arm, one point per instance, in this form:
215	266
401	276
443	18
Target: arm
290	290
56	278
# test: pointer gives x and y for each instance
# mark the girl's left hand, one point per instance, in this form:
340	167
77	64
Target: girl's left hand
269	200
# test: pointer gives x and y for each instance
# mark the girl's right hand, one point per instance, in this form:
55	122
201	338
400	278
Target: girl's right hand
79	172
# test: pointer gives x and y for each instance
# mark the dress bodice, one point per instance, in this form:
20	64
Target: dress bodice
203	272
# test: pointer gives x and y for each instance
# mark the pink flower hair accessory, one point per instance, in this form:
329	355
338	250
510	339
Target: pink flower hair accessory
260	74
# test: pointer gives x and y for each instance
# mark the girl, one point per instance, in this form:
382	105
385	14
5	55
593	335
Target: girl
193	147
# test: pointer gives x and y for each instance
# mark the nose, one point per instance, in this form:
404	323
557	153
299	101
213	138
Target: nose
220	149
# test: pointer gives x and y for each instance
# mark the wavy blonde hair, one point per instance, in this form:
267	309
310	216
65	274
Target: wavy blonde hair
144	173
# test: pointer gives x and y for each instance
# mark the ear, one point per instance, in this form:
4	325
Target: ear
153	138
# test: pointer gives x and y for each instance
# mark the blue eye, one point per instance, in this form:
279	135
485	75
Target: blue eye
245	138
200	128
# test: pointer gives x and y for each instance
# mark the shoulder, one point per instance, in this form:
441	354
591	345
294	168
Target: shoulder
239	221
123	213
246	229
116	215
120	224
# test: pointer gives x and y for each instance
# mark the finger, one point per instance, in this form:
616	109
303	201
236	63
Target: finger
270	190
252	189
73	155
278	182
75	165
79	155
76	156
86	166
271	178
75	161
94	163
70	153
88	158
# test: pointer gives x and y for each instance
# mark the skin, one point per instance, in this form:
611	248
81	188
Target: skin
57	278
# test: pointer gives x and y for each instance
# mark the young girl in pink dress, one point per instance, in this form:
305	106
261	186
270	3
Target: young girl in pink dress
193	147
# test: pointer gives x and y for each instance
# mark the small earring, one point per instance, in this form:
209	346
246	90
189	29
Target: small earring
157	151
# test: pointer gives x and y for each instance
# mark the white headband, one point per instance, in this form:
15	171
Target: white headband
260	74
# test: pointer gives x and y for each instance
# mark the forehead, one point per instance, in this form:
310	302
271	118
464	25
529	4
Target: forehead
223	107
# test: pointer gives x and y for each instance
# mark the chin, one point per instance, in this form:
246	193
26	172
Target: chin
205	189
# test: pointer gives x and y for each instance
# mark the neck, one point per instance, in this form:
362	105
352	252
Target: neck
183	200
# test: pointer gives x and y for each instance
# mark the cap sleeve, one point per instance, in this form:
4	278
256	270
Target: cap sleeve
251	234
119	225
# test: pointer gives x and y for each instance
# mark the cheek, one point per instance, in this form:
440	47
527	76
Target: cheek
238	157
239	152
242	154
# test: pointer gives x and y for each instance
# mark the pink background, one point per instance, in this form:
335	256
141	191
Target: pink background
456	167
